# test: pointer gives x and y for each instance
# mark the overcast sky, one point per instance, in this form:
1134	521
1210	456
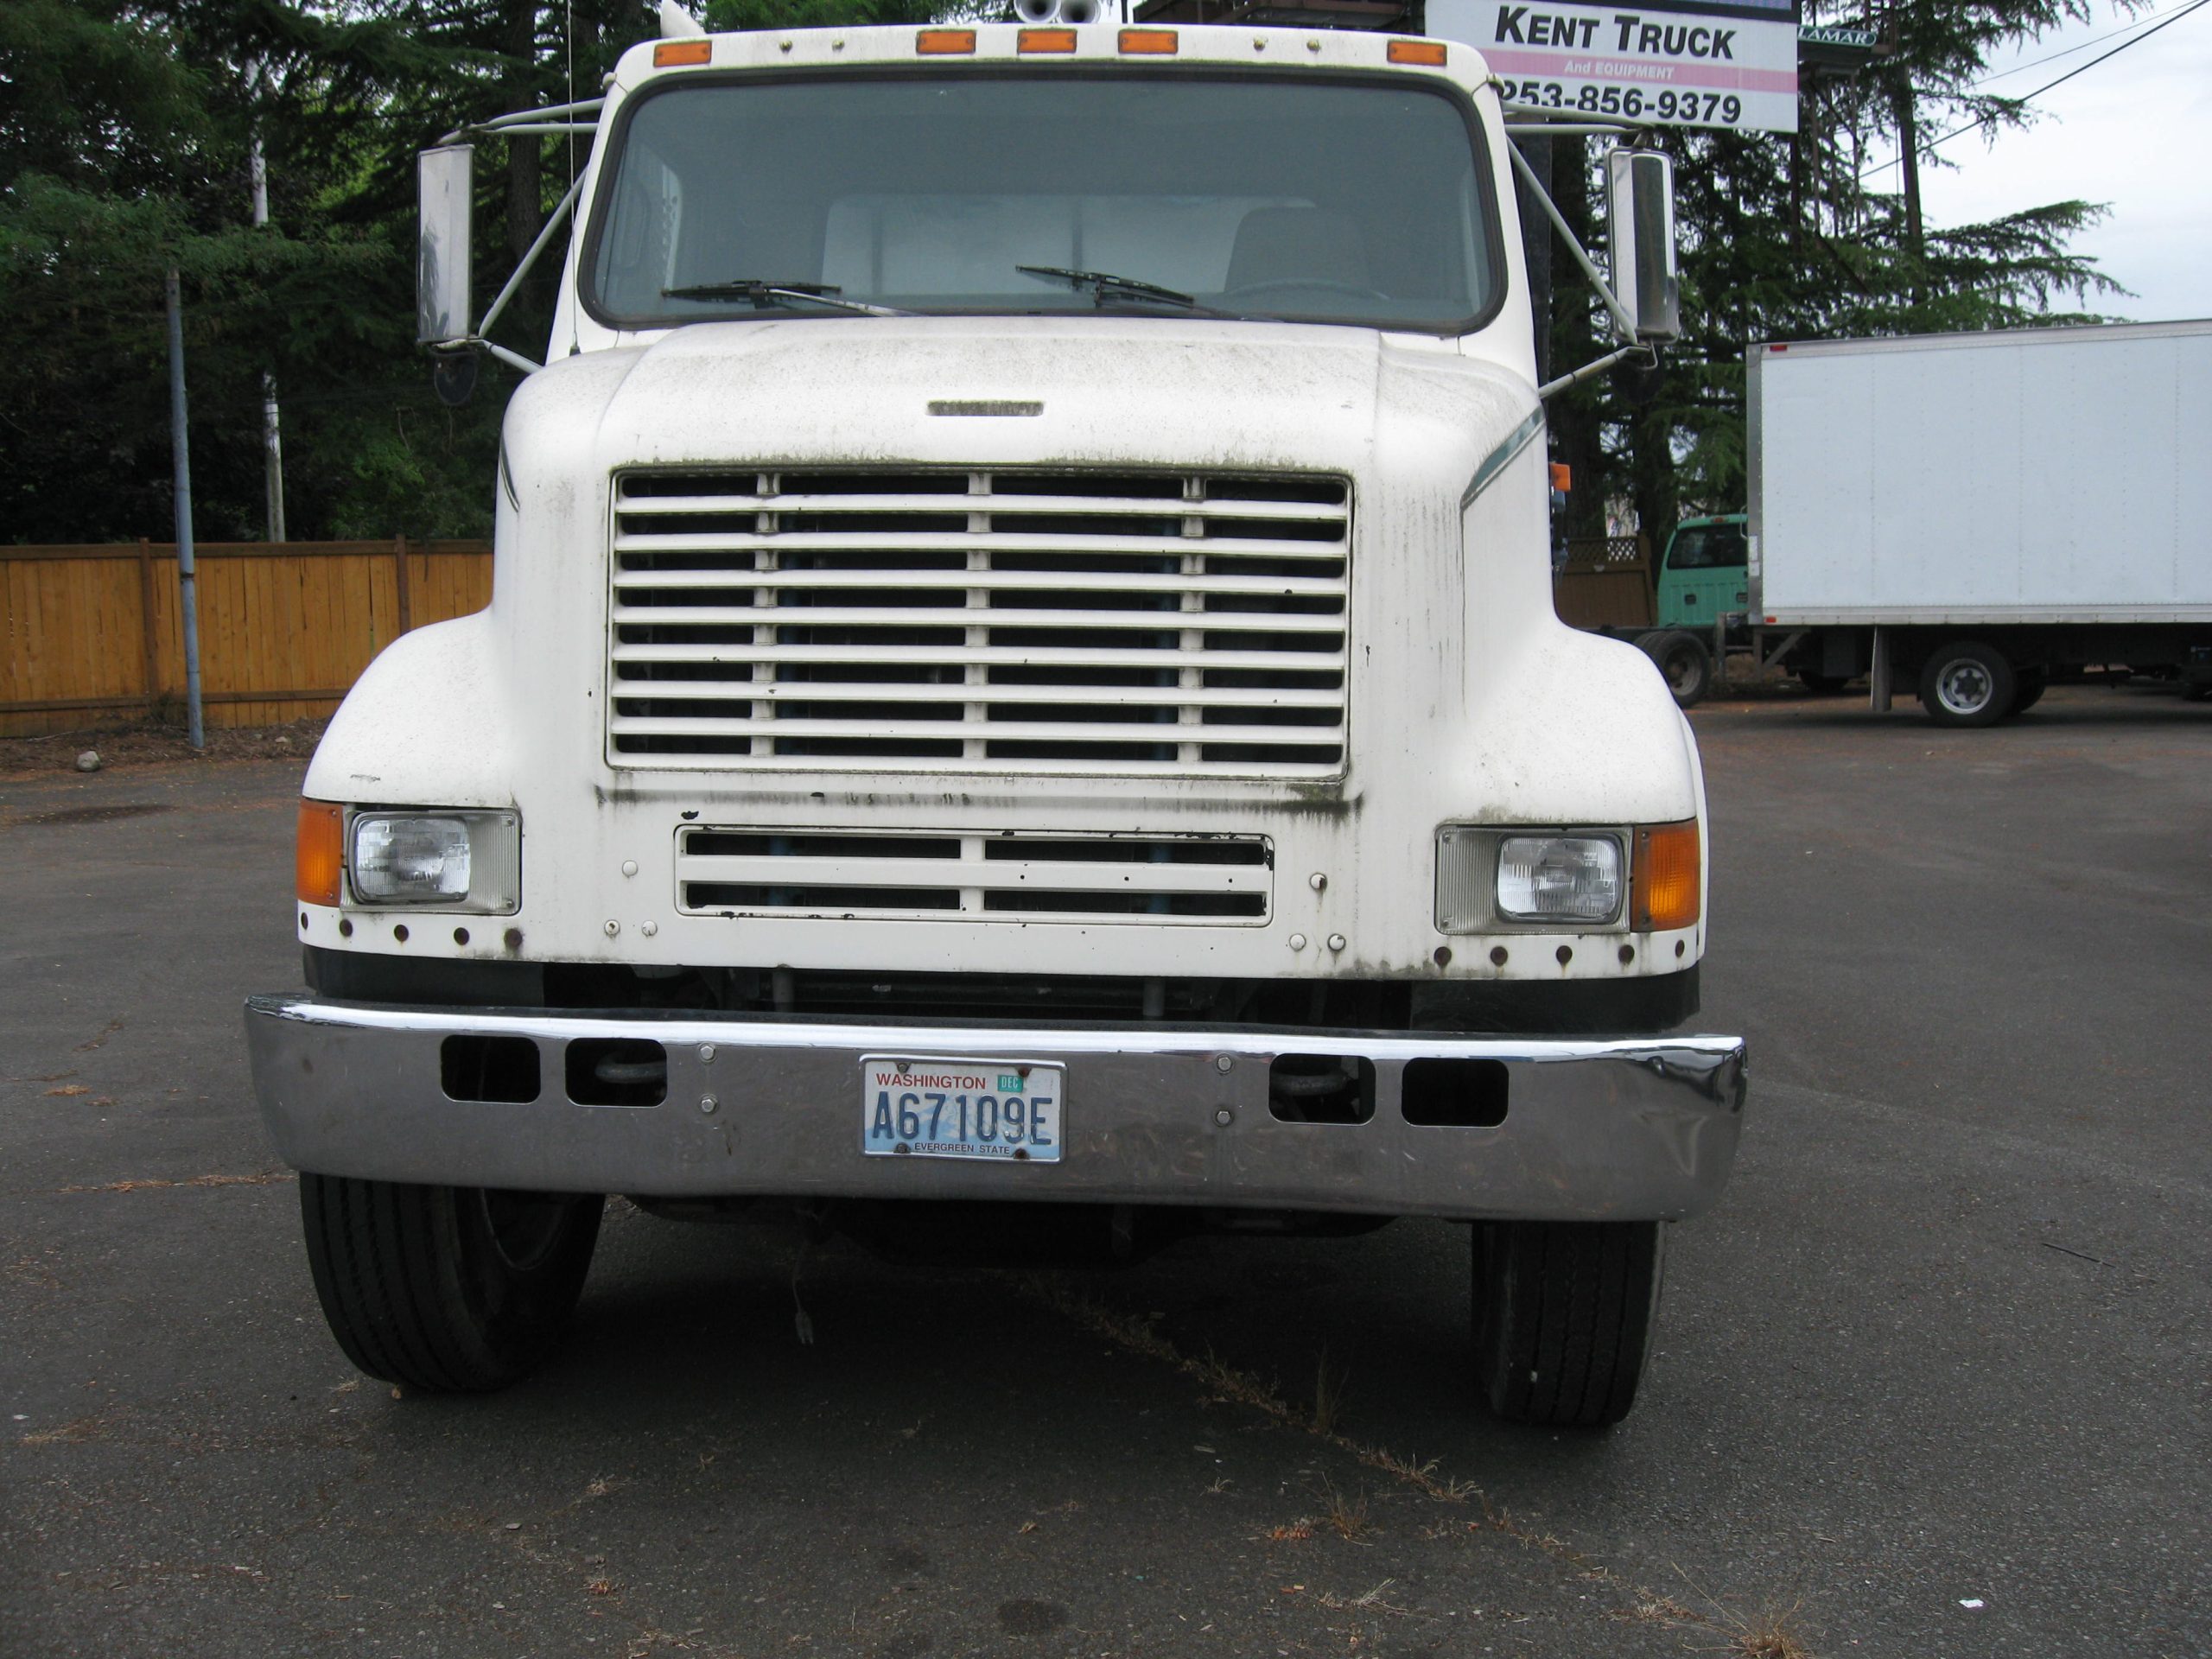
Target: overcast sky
2134	132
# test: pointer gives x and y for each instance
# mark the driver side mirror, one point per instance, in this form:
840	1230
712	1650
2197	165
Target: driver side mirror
1640	199
446	175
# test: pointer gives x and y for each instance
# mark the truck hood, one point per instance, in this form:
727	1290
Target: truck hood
1195	394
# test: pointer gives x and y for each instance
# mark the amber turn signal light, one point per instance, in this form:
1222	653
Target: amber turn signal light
319	857
671	54
1665	877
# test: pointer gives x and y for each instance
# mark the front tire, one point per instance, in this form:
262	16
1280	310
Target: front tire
449	1289
1964	683
1564	1313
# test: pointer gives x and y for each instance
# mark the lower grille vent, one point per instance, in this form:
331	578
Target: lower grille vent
1223	880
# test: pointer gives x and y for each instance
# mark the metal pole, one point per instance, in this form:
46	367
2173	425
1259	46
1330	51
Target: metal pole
180	448
271	435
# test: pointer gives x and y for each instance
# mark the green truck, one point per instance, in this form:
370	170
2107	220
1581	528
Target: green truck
1681	610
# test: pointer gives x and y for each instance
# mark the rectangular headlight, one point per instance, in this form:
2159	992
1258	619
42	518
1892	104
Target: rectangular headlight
454	860
1559	877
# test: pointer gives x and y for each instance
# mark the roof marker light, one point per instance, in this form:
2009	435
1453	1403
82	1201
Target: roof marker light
940	42
1045	39
1426	52
1158	41
671	54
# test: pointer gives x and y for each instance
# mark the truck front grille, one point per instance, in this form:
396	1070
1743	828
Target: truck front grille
1008	622
999	877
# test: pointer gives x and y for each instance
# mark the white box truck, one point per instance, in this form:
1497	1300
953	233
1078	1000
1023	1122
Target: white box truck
1021	686
1968	514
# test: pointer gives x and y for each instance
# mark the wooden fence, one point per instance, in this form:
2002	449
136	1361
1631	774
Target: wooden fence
1605	583
96	633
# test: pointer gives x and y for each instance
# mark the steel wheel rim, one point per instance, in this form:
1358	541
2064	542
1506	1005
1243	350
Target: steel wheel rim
1965	688
524	1228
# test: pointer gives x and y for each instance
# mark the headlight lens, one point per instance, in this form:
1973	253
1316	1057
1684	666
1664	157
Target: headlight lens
455	860
1559	877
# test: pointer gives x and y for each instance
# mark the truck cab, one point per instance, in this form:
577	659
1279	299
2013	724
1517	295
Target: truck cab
1020	680
1702	575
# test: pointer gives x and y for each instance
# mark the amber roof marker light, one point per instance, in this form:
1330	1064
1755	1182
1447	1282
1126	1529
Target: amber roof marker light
1045	39
945	42
1428	53
671	54
1159	42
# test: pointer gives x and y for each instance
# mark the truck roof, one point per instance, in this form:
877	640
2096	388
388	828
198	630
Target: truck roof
1091	45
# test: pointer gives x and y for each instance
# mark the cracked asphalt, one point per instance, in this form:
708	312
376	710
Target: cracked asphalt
1933	1380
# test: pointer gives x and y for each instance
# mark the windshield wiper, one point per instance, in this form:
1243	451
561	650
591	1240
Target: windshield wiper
760	292
1102	284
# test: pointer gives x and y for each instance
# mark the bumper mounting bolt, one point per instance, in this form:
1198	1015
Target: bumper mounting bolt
1224	1116
706	1054
1223	1063
707	1103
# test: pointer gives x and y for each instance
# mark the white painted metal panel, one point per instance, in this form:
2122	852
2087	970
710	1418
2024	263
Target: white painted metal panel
2039	475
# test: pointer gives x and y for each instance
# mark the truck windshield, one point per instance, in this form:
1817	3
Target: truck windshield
1365	202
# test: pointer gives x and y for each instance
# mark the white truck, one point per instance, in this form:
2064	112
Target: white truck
1021	688
1970	514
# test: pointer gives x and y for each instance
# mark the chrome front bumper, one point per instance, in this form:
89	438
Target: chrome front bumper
1595	1128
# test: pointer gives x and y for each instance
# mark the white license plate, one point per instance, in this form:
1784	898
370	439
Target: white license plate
1006	1109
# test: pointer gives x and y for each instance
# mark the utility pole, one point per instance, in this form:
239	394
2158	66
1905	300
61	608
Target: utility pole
180	452
272	441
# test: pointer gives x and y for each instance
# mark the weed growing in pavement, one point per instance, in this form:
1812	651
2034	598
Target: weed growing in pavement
1347	1515
1328	1396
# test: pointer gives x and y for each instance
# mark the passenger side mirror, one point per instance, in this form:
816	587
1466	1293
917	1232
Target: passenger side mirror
1640	198
446	175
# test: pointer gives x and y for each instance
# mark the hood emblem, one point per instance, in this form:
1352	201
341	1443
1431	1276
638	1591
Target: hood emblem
1001	406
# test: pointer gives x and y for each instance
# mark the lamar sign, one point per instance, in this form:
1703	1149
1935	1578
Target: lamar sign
1683	63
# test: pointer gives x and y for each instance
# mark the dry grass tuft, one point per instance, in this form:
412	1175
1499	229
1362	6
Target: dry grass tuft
1347	1515
266	1177
1770	1634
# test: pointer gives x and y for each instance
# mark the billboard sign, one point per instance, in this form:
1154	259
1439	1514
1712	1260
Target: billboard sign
1686	63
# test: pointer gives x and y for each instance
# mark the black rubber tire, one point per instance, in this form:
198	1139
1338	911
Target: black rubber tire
2028	687
1964	683
443	1288
1822	685
1564	1314
1685	662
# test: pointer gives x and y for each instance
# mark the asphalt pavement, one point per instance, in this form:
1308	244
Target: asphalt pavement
1933	1380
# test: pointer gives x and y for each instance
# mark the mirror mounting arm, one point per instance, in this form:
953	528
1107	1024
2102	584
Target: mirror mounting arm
554	221
1650	360
1624	325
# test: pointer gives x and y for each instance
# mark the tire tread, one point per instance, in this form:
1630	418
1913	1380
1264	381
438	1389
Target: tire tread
1563	1318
